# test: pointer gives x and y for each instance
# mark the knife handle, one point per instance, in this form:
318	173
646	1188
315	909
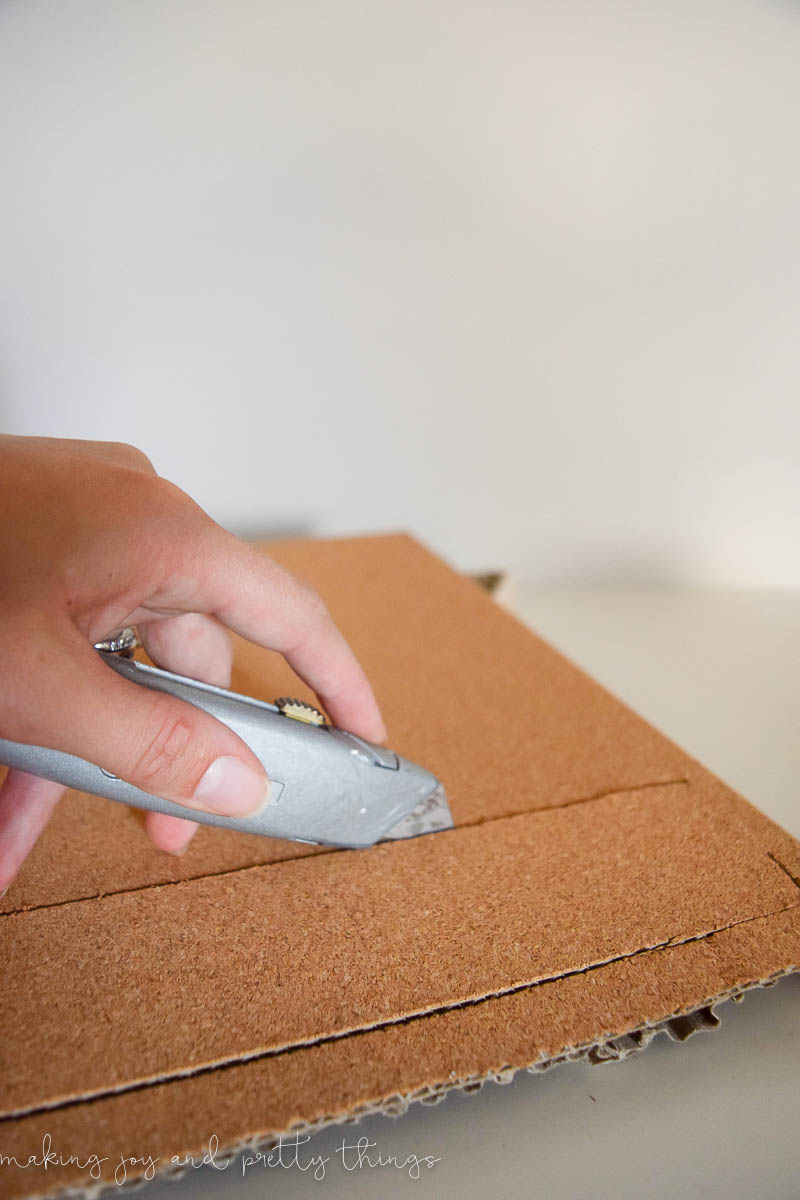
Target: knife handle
326	785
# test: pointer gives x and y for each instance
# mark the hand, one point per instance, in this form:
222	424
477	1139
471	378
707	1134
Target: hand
91	540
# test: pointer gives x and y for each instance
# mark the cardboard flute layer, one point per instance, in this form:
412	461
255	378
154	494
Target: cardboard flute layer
598	883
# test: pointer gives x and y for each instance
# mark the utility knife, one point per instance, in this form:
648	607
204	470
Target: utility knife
327	786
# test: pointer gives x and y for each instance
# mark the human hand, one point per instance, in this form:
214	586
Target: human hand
91	540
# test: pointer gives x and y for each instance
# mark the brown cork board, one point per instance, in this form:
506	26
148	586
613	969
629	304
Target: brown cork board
599	883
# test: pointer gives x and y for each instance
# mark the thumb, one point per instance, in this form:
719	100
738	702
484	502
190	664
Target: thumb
160	744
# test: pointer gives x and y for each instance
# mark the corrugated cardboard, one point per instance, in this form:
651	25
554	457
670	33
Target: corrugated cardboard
599	885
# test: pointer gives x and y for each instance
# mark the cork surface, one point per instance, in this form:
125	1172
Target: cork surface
598	881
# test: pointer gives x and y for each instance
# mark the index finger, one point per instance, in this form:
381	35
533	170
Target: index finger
265	603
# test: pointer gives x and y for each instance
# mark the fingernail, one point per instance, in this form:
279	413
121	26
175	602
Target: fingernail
231	788
379	734
180	848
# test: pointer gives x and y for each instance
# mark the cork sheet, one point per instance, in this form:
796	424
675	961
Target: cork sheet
598	882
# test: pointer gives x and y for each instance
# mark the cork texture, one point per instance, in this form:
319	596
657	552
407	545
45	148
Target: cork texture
598	883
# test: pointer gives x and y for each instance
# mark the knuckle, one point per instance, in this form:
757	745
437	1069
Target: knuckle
307	597
162	763
162	510
154	489
312	612
130	456
301	609
167	500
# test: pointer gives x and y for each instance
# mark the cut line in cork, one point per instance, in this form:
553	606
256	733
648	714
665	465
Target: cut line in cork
406	1018
318	851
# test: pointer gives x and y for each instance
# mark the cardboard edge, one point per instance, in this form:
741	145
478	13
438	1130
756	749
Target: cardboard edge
678	1027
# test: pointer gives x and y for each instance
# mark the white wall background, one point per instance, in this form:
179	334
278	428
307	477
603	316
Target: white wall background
523	277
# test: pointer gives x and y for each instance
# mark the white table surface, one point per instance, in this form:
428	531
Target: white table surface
718	1116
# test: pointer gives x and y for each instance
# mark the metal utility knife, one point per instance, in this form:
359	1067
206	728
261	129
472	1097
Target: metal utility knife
327	786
